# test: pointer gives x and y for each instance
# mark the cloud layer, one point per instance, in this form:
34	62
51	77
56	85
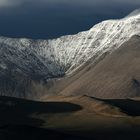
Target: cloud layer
53	18
5	3
71	2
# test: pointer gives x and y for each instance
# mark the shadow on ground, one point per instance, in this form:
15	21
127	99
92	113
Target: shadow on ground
20	111
11	132
127	106
16	121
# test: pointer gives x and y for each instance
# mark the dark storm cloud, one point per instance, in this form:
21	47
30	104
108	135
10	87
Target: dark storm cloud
5	3
72	2
53	18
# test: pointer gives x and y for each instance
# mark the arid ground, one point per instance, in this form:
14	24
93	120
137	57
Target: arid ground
72	118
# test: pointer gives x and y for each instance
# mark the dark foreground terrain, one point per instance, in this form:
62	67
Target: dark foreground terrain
11	132
69	118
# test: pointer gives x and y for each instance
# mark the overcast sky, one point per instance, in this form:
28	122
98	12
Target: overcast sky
53	18
72	2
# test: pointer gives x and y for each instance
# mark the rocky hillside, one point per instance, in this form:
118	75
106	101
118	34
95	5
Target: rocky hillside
26	63
116	76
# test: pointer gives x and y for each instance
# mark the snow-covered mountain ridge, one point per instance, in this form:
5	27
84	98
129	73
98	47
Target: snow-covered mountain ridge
57	57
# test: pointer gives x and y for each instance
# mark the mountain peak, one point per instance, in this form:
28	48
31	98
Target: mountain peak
134	13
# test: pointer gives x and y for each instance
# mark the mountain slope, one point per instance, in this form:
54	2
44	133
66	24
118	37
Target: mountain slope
26	61
116	76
